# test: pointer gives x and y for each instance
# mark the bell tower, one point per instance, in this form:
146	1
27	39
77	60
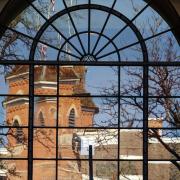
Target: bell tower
75	111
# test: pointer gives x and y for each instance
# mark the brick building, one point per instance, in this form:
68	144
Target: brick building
73	112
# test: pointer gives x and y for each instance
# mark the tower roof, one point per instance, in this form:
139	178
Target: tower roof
67	73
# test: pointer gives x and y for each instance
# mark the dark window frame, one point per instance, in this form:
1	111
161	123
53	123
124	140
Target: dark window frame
145	64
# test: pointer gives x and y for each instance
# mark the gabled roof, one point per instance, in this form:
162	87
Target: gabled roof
46	73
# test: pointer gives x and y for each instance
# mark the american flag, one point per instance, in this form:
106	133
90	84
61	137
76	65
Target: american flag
53	5
43	51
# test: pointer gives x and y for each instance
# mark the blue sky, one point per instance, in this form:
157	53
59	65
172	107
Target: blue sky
97	78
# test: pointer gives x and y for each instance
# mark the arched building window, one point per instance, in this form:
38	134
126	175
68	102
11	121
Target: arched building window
41	119
18	132
72	118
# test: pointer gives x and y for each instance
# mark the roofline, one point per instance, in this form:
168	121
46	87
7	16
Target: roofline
15	100
15	76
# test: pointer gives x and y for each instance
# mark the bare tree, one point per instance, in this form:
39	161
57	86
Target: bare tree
164	85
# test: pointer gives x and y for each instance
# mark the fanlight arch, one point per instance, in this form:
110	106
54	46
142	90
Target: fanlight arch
58	39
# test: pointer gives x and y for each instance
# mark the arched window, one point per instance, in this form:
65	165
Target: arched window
41	119
18	133
72	118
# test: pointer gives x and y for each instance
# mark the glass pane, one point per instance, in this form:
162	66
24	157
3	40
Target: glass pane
111	56
75	41
74	143
88	112
13	169
11	44
98	19
52	37
29	21
125	38
101	43
101	80
129	8
45	170
163	48
48	8
165	109
105	169
80	20
45	80
131	112
44	143
101	2
164	144
131	81
133	53
64	25
131	170
113	26
45	111
68	52
14	108
162	170
14	142
110	52
70	3
14	79
150	22
44	52
131	144
164	81
72	170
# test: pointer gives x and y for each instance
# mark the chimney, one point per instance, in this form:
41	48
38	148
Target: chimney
155	123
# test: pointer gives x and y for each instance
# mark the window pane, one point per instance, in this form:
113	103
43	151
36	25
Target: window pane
165	109
164	144
131	112
13	142
74	143
45	80
11	45
105	169
131	170
162	170
14	79
45	170
68	170
16	169
45	111
89	111
14	108
131	81
44	143
131	144
164	81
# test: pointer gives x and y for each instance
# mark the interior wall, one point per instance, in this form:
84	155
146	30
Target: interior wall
176	4
2	4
